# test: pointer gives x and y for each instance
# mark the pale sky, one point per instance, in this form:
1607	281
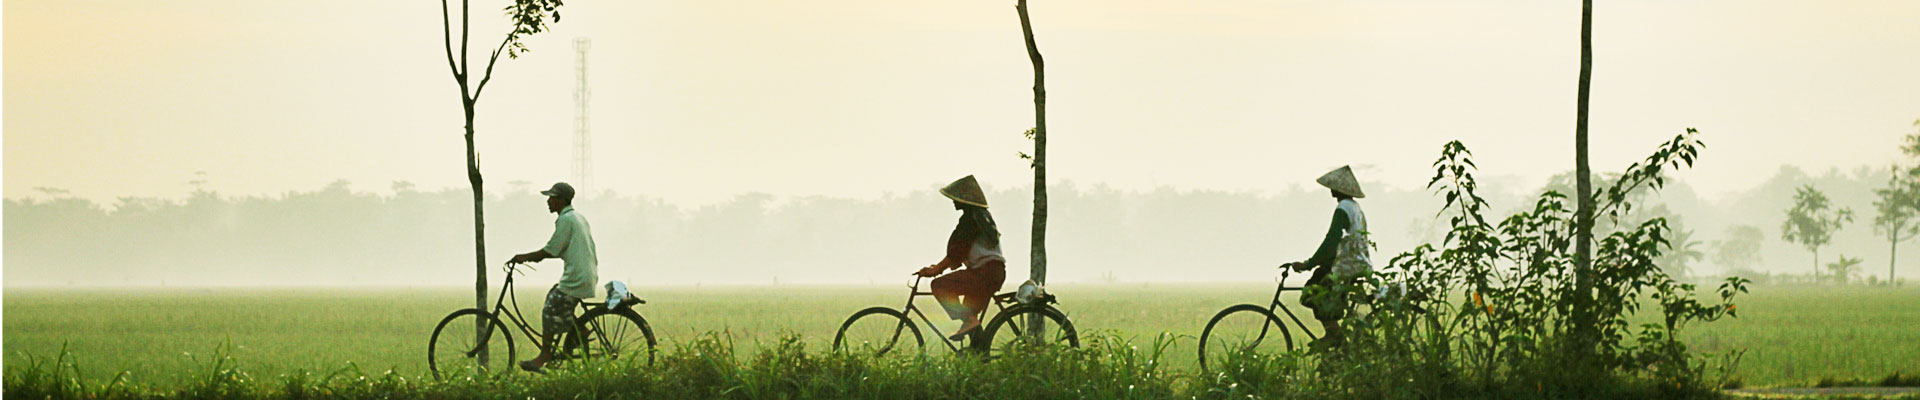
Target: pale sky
698	101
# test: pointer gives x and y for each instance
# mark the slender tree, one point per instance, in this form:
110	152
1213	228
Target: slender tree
1038	259
1895	220
1900	200
1812	221
529	17
1583	323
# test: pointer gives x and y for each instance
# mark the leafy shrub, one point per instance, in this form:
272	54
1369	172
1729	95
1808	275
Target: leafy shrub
1497	308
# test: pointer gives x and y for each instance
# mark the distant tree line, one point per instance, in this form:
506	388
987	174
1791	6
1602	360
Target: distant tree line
336	235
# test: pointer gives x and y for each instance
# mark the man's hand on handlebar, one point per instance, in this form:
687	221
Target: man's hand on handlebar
1295	266
523	259
518	264
930	271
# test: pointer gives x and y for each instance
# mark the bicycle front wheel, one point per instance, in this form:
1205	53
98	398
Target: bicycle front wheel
1242	331
470	342
1014	328
612	335
879	331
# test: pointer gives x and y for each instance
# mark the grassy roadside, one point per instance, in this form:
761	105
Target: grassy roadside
1793	336
708	368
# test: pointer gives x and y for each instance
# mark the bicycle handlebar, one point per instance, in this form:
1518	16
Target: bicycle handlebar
511	268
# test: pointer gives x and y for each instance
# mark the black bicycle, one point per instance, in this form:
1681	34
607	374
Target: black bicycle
475	342
1249	328
886	330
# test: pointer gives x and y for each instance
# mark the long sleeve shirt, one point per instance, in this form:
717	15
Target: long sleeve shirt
962	249
1330	246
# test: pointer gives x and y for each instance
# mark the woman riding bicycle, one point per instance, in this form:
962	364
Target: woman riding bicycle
975	243
1341	257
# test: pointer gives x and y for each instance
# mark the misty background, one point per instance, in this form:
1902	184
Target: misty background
408	237
226	142
696	102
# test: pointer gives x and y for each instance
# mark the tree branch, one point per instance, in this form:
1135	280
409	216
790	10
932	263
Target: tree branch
490	61
446	38
466	27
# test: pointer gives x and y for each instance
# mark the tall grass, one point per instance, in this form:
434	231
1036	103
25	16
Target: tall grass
704	368
707	367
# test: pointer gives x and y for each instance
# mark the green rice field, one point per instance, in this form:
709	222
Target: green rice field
1793	336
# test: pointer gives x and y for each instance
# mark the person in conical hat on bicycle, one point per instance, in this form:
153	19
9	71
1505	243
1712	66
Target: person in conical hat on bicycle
572	242
1342	256
975	244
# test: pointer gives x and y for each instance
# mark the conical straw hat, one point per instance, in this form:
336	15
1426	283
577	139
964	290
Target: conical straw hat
1342	180
966	191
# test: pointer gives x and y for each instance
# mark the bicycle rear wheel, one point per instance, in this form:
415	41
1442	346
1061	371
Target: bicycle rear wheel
1240	331
879	331
611	335
470	342
1012	330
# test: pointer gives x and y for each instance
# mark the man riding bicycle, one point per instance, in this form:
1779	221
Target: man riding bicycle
1341	258
572	242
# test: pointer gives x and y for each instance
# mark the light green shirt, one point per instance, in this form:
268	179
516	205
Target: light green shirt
573	242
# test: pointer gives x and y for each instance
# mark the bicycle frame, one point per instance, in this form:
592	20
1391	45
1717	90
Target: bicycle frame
915	292
1276	305
514	314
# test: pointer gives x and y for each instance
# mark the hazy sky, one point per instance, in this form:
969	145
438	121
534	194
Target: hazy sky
697	101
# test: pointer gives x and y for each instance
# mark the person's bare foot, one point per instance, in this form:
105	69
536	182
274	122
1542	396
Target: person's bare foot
971	325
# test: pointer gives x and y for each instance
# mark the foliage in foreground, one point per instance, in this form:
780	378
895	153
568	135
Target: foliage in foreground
707	368
704	368
1497	308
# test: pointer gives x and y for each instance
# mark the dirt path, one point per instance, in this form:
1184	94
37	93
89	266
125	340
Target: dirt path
1865	392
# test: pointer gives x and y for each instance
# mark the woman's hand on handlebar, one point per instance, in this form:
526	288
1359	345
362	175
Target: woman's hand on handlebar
930	271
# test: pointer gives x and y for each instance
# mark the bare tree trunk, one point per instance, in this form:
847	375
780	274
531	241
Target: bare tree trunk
1584	323
1893	253
1038	271
530	17
479	239
479	222
467	100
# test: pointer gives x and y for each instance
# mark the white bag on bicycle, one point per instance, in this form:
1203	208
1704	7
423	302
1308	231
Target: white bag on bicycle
1352	257
616	292
1030	292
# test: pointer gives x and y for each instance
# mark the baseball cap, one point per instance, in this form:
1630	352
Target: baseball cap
561	190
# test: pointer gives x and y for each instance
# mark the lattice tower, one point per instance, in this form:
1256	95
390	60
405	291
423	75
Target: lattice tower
582	142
